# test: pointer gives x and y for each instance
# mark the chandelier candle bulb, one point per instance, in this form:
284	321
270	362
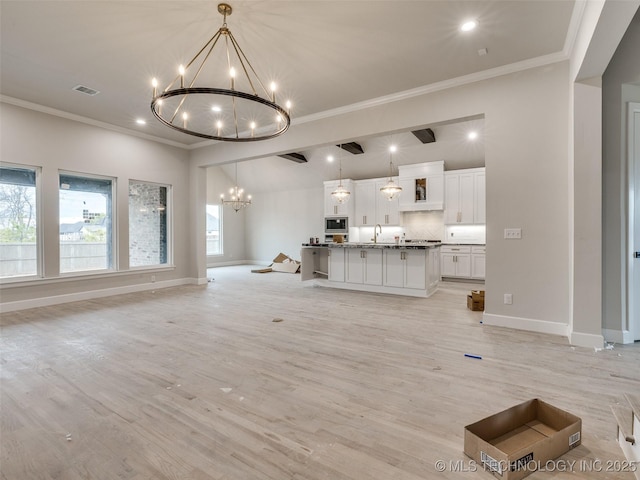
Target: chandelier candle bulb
181	72
154	84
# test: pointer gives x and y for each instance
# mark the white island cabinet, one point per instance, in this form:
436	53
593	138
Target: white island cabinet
380	268
363	265
405	268
336	265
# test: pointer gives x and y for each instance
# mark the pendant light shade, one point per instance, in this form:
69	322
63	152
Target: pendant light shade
391	189
340	194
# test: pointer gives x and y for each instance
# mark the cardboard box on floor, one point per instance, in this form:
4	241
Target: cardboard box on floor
283	263
475	301
517	441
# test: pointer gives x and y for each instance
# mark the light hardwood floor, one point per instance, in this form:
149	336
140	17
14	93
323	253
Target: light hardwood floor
200	383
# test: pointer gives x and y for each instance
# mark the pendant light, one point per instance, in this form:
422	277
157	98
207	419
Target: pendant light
391	190
340	195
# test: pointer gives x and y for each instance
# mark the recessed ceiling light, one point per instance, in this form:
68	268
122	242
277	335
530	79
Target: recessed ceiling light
330	158
140	121
472	135
468	26
216	108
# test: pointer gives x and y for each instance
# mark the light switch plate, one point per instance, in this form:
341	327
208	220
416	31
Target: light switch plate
512	233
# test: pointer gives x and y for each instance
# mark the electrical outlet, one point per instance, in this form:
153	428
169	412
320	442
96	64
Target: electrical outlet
512	233
508	299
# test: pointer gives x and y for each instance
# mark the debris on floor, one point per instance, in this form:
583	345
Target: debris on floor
282	263
277	320
471	355
607	346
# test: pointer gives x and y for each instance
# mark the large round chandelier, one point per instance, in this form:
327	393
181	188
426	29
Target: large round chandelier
235	111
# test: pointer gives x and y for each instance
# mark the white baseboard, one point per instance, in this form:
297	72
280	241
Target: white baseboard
529	324
230	263
588	340
617	336
91	294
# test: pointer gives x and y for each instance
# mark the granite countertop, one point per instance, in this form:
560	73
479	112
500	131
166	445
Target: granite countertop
407	246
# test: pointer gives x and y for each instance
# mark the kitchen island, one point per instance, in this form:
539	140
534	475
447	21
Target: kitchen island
412	269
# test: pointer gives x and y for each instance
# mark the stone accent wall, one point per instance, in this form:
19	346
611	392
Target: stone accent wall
147	224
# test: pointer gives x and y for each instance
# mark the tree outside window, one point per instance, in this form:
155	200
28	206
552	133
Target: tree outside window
18	222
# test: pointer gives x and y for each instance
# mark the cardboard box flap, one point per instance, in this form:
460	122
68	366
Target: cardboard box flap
555	417
543	428
518	439
284	263
281	258
503	422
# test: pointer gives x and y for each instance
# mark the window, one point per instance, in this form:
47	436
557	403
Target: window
214	230
18	221
86	223
148	239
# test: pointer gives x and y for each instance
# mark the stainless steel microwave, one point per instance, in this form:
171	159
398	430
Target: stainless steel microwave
336	225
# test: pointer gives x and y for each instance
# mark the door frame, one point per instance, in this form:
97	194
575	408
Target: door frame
633	303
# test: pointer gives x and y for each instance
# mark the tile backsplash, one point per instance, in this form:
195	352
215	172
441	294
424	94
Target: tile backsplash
465	234
428	225
424	225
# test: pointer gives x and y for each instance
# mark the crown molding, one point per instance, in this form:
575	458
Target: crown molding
86	120
374	102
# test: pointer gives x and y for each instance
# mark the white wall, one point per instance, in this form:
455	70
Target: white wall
53	143
526	151
624	68
279	222
233	223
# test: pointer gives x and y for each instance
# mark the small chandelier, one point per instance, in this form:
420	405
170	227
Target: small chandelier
225	113
391	190
237	202
340	195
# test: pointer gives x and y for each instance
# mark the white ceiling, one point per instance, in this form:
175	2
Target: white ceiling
325	55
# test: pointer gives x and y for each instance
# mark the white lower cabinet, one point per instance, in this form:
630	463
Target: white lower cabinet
336	265
478	262
456	261
414	272
405	269
364	265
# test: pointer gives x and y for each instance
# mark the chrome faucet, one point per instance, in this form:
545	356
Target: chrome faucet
375	236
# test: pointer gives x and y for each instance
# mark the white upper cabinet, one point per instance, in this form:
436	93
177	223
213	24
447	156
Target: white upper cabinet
372	207
387	211
365	203
334	209
422	186
464	201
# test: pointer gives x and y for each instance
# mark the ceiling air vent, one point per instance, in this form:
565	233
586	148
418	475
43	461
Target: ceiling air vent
85	90
295	157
